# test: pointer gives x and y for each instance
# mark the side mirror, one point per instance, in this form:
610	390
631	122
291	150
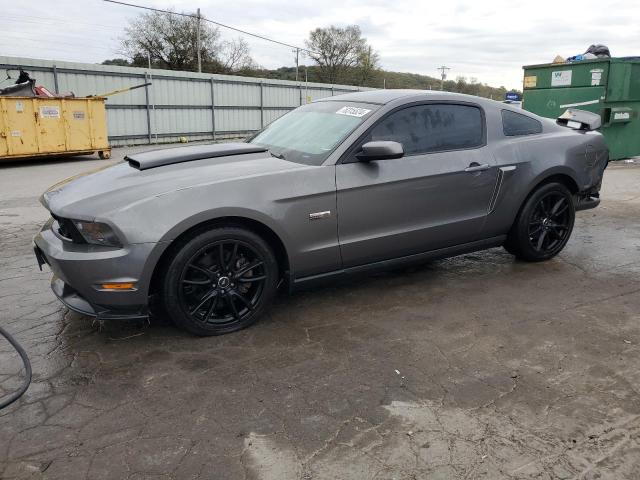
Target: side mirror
380	150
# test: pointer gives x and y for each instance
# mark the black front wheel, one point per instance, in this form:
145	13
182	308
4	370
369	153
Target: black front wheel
220	281
544	224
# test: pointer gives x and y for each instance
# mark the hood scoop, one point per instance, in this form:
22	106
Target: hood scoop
169	156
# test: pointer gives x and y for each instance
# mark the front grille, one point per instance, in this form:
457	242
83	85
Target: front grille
68	230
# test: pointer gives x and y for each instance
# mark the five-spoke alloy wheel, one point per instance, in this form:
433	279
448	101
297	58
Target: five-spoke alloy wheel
219	281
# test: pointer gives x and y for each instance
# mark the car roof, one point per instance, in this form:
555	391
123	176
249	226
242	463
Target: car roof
382	97
386	96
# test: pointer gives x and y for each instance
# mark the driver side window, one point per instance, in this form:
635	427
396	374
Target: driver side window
432	128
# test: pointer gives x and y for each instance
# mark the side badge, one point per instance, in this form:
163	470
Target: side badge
319	215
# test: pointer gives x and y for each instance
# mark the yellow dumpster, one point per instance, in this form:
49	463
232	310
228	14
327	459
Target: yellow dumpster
42	126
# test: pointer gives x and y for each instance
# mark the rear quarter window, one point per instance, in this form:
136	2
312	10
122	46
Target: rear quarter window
516	124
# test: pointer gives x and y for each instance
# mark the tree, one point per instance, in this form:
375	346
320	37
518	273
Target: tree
461	84
169	41
120	62
234	56
338	50
368	64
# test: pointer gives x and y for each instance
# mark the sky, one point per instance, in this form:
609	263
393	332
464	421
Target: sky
489	40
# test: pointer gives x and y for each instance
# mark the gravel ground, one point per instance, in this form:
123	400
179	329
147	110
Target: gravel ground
473	367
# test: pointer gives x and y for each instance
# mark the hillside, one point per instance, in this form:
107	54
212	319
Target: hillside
383	78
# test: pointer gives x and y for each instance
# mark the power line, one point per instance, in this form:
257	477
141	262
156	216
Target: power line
11	35
300	49
50	21
50	35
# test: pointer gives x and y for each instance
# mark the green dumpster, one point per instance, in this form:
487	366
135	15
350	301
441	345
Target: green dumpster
607	86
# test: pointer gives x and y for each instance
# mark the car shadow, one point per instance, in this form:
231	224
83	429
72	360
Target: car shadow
426	274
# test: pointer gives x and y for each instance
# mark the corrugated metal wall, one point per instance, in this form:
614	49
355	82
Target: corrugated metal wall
177	104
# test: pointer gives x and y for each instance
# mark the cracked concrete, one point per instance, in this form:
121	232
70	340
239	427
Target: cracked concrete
506	369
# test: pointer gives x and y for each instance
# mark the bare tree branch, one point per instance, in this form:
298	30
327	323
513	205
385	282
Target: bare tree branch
171	42
338	50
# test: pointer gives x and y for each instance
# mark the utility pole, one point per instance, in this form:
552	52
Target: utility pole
297	50
384	83
443	75
151	98
198	43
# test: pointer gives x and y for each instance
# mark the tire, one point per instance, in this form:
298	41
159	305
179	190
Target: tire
509	248
543	225
104	154
219	281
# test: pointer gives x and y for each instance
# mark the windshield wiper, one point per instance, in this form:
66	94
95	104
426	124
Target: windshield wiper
279	155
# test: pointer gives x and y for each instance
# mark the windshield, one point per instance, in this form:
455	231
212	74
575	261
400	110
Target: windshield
311	132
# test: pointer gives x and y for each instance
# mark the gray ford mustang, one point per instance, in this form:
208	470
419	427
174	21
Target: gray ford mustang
345	184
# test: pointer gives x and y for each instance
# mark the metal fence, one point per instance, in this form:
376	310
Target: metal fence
176	104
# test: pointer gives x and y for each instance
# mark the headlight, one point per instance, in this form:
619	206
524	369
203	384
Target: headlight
97	233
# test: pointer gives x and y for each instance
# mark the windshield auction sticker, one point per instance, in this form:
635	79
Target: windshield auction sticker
353	111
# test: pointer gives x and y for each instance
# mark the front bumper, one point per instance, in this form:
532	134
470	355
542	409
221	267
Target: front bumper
79	270
74	301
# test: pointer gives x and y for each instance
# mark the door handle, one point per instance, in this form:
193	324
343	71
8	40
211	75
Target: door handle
476	167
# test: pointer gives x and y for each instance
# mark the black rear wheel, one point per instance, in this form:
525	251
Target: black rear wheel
544	224
220	281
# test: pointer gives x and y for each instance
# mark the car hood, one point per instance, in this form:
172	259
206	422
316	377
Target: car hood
98	192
